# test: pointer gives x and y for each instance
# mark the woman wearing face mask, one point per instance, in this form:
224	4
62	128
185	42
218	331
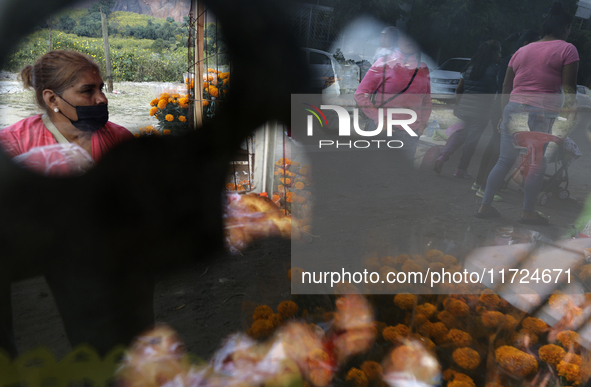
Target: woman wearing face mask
69	88
400	80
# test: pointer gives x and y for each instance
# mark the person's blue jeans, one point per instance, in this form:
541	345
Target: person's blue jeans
538	120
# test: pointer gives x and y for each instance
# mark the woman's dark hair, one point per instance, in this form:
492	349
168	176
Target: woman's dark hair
556	20
483	58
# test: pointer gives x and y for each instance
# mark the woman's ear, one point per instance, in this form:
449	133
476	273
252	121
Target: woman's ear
50	99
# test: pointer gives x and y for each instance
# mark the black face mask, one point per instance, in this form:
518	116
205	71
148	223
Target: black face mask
90	118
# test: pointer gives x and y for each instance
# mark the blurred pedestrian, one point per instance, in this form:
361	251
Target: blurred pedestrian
475	94
536	78
400	80
492	151
388	40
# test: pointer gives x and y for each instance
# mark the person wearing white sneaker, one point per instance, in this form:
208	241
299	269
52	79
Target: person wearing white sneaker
540	81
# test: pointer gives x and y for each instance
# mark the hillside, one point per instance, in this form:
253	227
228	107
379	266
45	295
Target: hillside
157	8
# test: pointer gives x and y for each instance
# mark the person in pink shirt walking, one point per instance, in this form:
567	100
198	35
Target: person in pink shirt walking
540	80
399	80
69	87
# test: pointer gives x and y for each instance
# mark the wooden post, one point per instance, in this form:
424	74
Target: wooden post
199	34
49	25
108	73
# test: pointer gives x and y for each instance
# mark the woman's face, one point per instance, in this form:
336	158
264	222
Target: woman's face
86	91
407	45
497	55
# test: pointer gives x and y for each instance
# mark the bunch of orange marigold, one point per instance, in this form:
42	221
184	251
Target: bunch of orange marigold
172	111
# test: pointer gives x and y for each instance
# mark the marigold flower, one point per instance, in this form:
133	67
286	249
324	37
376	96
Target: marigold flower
457	379
392	334
182	119
357	377
510	322
286	180
153	111
166	131
281	161
461	383
434	255
489	299
262	312
205	102
136	135
516	362
438	331
411	266
428	310
552	354
534	325
372	370
154	102
569	371
459	338
405	301
447	318
169	117
299	185
567	338
456	307
287	309
466	358
261	329
162	104
164	96
492	319
573	358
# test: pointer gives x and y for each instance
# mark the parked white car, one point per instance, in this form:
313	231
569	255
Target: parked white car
445	79
325	70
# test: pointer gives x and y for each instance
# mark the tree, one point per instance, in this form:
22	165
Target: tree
66	24
105	5
455	28
389	11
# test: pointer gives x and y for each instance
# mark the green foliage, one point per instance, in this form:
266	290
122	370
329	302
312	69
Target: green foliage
582	41
66	24
104	5
388	11
132	59
132	19
455	28
214	46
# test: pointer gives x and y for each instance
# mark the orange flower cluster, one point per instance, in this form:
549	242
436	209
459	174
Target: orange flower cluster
148	131
265	320
293	194
241	185
215	86
171	110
